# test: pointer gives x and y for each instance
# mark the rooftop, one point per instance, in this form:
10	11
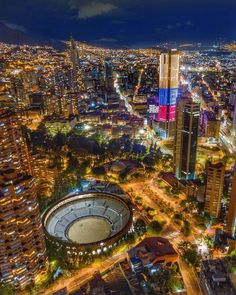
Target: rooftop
153	249
215	277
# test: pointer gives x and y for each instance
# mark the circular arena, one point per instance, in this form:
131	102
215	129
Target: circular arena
84	220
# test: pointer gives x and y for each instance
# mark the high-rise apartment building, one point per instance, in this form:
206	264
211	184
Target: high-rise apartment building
233	132
231	215
77	75
18	91
13	150
22	246
185	139
214	187
109	81
210	125
168	92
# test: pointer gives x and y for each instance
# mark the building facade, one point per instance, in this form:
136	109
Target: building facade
77	74
214	187
186	137
234	119
231	216
22	248
168	92
210	125
13	148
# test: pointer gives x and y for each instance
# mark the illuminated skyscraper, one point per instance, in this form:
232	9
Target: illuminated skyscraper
231	216
109	81
186	135
214	188
13	150
234	121
77	75
168	92
22	245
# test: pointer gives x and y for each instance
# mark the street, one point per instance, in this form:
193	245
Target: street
84	275
149	191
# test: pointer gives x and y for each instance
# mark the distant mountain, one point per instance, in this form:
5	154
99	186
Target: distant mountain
13	36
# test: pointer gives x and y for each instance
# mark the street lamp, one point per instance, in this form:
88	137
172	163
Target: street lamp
86	127
141	131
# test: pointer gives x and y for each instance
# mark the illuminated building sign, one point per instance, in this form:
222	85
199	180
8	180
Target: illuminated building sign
153	109
168	96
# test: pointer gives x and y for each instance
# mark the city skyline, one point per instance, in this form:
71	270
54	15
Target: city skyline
117	164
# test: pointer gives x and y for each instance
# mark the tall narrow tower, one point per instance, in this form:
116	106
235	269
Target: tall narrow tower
22	246
185	140
168	92
214	188
74	54
233	130
77	75
109	81
231	216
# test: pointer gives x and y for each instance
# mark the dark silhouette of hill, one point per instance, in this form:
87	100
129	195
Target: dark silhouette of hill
14	36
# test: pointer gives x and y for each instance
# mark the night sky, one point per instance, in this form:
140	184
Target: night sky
123	22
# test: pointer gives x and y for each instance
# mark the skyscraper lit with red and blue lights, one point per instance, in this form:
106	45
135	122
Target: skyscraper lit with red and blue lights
168	92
